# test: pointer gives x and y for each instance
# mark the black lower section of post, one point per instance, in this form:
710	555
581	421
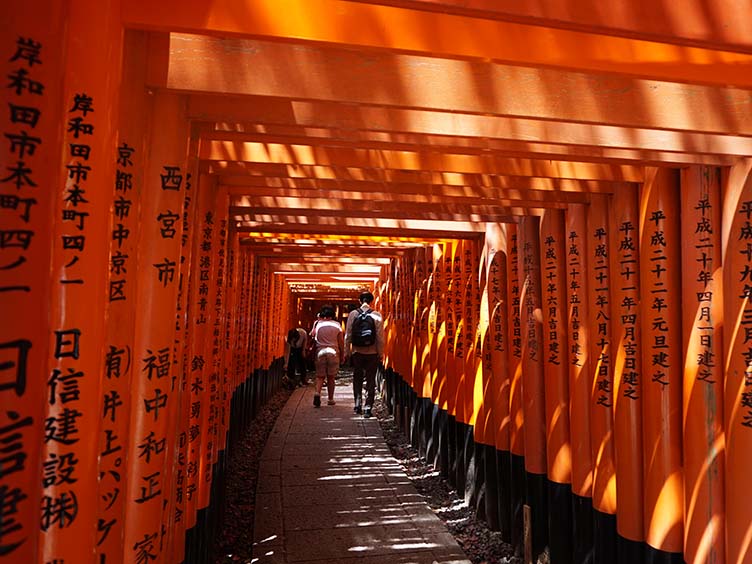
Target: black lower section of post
536	488
630	551
582	530
491	487
604	532
469	470
518	501
443	443
655	556
504	472
560	522
460	461
451	440
432	448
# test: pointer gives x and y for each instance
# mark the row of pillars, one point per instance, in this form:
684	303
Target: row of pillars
593	364
138	338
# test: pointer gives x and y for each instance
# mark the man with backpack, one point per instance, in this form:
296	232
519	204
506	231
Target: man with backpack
364	336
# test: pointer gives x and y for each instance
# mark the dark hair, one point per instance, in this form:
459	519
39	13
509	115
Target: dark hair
292	336
366	298
327	311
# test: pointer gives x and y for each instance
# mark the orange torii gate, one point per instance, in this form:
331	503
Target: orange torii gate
551	205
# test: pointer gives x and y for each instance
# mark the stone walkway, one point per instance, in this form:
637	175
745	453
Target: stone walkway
330	492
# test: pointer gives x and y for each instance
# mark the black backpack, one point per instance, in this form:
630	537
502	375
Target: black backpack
363	330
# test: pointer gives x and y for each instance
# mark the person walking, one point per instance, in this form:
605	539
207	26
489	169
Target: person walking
364	336
295	344
330	353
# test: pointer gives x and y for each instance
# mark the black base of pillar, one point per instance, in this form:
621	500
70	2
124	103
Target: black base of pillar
536	488
582	530
504	472
604	527
460	467
491	486
518	501
443	446
469	466
560	522
629	551
655	556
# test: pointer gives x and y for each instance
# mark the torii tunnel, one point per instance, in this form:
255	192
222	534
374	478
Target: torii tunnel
551	201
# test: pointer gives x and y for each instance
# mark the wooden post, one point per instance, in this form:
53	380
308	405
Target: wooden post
556	382
198	433
533	387
580	367
601	380
737	309
702	284
31	50
79	267
129	157
624	244
660	284
154	393
497	363
516	412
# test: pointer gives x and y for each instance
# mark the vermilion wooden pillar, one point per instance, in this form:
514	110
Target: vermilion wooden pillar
533	387
120	365
438	415
154	394
737	310
601	380
80	239
200	308
626	312
579	335
702	337
470	314
452	272
556	378
418	308
173	517
461	326
516	413
210	442
473	400
484	432
430	328
660	284
497	363
31	106
437	326
457	344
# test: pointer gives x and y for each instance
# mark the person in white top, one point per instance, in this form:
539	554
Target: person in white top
330	353
364	334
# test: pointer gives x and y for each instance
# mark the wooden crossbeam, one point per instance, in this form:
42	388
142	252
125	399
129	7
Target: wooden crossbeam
672	22
340	22
573	142
245	67
311	155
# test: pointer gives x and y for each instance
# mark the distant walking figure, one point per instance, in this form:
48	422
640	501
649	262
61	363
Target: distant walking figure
364	334
330	353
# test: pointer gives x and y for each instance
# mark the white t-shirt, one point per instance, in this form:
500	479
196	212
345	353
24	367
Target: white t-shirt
326	335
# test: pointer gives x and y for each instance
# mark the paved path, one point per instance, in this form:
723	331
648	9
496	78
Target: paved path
330	492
